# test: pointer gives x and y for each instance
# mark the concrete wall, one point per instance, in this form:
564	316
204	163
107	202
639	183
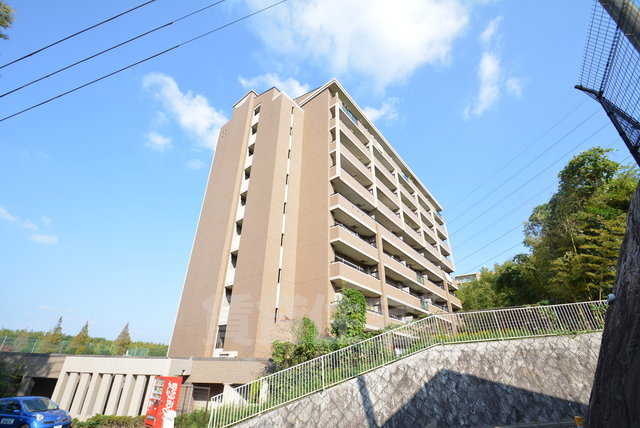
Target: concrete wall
468	385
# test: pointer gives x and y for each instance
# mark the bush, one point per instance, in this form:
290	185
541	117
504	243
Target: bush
111	421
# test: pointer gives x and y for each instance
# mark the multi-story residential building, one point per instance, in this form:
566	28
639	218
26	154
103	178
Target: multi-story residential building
462	279
306	198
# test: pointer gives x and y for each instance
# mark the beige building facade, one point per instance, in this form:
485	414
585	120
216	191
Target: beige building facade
305	198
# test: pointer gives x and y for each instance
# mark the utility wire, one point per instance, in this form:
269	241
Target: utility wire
558	141
492	258
518	154
75	34
142	61
497	255
531	179
496	221
111	48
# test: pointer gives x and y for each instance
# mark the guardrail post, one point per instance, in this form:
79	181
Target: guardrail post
323	382
495	317
3	340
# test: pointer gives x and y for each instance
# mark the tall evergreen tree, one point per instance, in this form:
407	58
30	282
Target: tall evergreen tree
122	342
52	340
81	343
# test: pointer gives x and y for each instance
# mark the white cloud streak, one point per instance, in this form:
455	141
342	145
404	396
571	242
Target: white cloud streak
195	164
44	239
158	142
381	41
289	86
387	111
492	79
192	111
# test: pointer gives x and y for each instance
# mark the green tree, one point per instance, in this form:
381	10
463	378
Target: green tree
10	378
6	18
122	342
52	341
479	293
350	316
81	343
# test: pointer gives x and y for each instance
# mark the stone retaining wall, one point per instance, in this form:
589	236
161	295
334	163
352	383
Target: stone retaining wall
466	385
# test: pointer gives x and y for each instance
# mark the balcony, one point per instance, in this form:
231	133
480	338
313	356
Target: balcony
436	308
442	234
404	298
350	188
348	213
354	276
355	167
374	320
388	218
411	218
353	244
408	199
438	218
448	265
383	157
418	261
385	177
387	197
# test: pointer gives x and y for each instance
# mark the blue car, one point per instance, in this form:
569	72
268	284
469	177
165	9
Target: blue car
32	412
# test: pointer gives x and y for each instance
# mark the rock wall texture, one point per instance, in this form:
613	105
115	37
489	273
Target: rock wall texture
615	399
468	385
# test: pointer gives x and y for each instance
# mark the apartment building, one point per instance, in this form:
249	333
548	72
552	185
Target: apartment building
306	198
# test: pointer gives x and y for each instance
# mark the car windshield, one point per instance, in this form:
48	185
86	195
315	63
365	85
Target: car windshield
38	405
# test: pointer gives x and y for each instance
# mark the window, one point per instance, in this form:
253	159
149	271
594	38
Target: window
238	229
247	174
251	151
281	239
286	179
256	110
234	260
254	129
289	154
284	208
275	316
222	332
227	295
279	274
243	200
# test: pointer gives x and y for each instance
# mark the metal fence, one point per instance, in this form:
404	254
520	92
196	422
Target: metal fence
327	370
41	346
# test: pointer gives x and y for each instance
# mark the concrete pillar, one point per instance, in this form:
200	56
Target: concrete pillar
69	390
90	399
126	395
137	395
60	384
114	395
102	394
78	397
147	394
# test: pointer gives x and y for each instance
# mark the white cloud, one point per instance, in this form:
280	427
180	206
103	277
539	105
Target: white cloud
44	239
192	111
514	86
289	86
492	79
380	40
487	35
158	142
387	111
195	164
5	215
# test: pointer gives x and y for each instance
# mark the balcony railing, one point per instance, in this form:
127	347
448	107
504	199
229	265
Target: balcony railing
363	269
315	375
354	233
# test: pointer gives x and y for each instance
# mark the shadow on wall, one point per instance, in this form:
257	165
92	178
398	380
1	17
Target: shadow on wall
29	374
452	399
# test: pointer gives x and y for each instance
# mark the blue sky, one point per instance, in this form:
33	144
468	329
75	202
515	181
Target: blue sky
100	190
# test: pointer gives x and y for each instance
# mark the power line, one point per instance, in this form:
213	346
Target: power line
491	242
507	214
532	178
111	48
75	34
141	61
518	154
530	162
511	248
